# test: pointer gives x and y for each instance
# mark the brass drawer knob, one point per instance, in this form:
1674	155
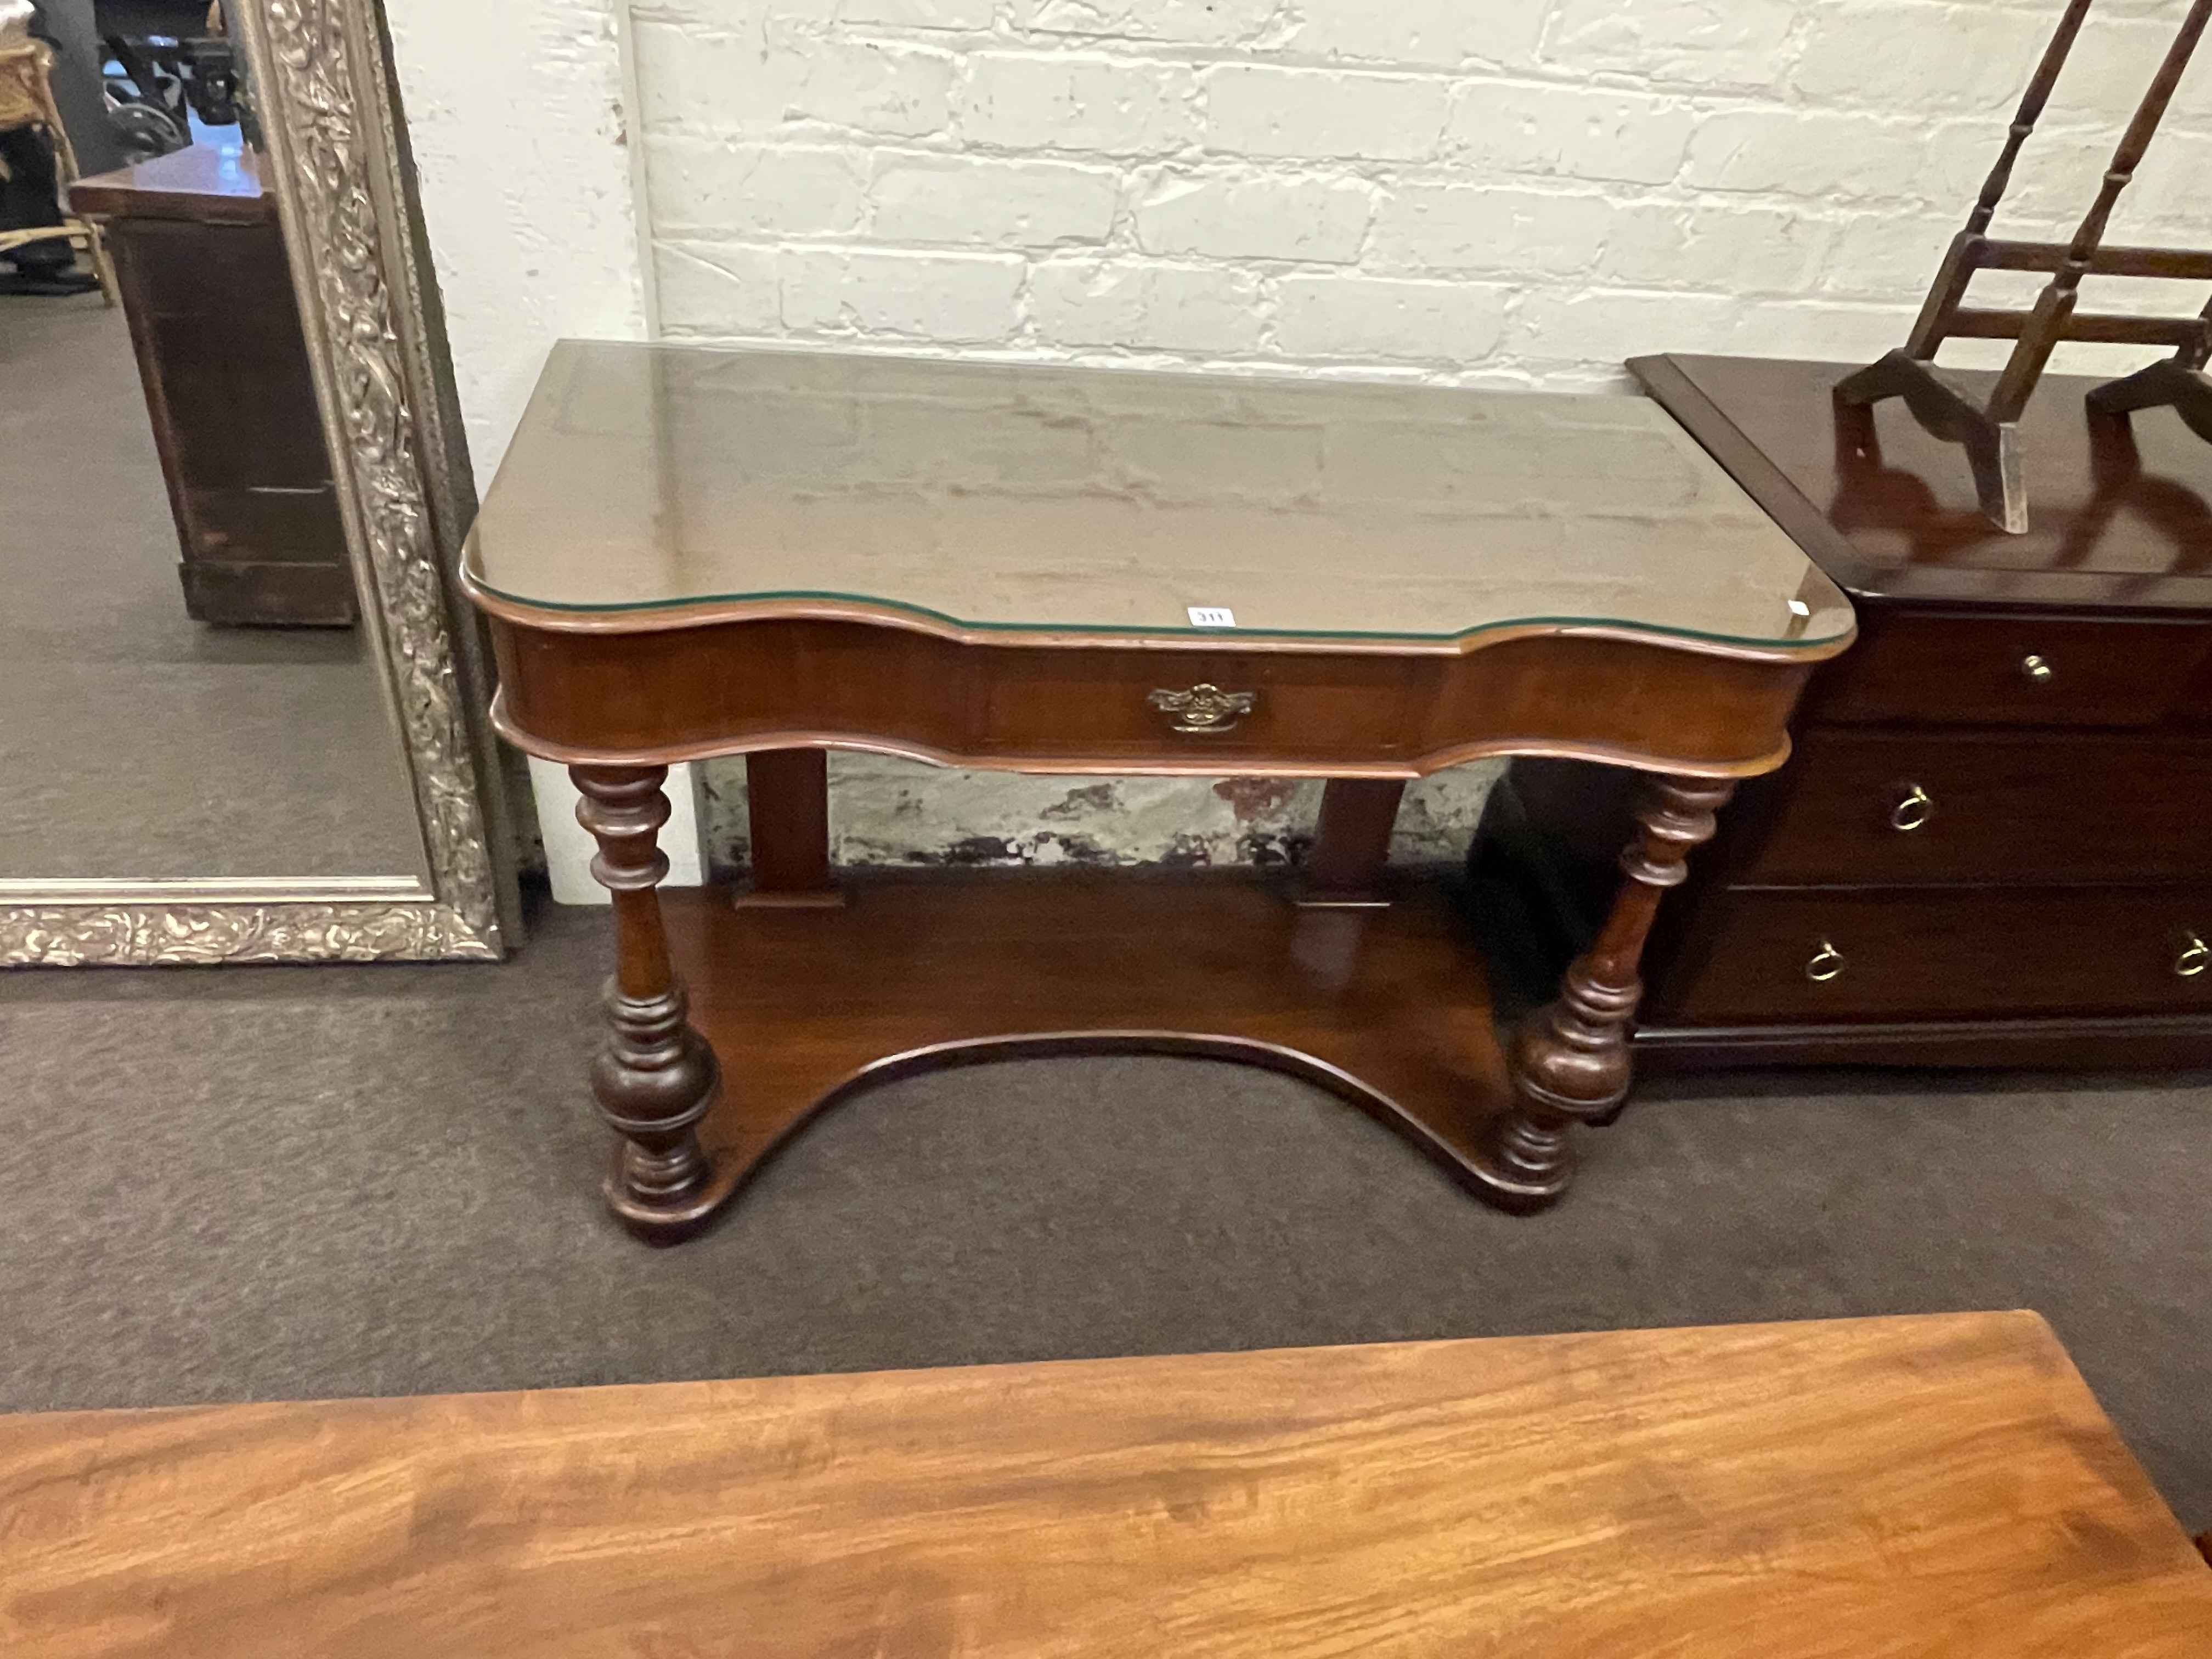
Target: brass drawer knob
1205	708
1828	961
1914	808
2196	957
2037	671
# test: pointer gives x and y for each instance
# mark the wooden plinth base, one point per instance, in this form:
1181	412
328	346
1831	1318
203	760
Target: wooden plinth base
1386	1008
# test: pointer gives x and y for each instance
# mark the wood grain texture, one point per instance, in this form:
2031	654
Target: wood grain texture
1385	1008
1934	1485
1956	668
2002	809
662	695
787	810
1351	841
1933	953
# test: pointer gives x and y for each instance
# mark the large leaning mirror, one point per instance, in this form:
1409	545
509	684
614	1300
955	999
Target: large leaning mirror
235	691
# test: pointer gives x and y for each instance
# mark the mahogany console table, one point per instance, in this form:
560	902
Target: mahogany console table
1936	1484
691	552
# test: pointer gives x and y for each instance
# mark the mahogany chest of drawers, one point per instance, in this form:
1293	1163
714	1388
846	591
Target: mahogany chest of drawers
1991	845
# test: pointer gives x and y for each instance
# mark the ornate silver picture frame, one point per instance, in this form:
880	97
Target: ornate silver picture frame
337	163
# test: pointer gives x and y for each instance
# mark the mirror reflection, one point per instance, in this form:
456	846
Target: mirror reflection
187	694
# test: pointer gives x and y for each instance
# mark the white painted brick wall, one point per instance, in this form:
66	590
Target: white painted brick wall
1492	193
1249	185
514	112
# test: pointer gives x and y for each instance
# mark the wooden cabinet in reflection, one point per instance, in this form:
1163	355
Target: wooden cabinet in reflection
217	334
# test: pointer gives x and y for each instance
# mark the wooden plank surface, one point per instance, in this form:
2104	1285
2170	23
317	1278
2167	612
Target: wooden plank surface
1937	1486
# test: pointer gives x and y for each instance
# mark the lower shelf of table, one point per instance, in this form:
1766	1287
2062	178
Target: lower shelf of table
1386	1008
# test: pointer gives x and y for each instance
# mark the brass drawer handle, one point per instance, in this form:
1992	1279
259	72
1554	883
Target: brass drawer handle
1205	708
1828	961
2196	955
1914	808
2038	672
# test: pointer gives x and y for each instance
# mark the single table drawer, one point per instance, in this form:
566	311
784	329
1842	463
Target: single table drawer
1315	707
1941	952
2006	671
1878	809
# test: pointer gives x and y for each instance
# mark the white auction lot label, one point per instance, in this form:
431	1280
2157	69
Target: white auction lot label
1208	615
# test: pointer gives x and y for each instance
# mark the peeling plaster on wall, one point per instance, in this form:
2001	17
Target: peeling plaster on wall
884	811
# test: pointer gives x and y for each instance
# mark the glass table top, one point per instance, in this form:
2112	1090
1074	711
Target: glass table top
1042	499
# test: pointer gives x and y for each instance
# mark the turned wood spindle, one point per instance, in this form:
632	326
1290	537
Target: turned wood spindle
1570	1060
655	1076
1989	430
1964	259
2047	322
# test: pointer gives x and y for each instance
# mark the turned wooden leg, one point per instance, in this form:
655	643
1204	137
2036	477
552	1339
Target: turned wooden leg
655	1076
1352	843
1569	1059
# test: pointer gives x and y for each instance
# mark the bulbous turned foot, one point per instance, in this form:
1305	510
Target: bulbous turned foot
654	1078
1570	1060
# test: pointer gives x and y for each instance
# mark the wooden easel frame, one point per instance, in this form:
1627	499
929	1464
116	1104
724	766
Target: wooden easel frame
1989	431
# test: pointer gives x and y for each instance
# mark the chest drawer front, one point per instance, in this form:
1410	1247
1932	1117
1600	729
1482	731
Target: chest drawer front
1943	953
1880	809
2006	671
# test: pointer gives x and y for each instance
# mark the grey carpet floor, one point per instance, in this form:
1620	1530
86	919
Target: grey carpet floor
267	1182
